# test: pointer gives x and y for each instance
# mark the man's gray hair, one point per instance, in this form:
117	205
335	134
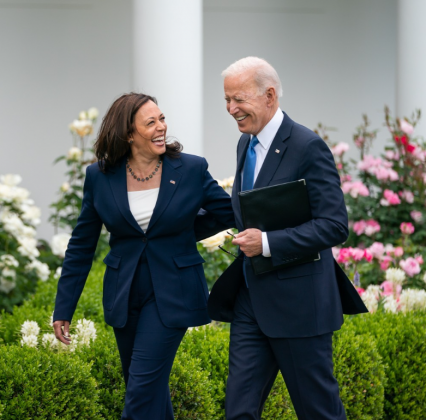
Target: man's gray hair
265	75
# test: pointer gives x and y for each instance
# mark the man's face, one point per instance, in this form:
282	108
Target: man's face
243	102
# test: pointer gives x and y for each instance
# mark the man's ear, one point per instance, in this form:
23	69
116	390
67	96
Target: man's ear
271	96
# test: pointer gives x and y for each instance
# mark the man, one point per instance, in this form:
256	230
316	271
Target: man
284	319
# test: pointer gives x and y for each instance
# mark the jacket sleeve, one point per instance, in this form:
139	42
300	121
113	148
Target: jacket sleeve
329	224
79	256
216	213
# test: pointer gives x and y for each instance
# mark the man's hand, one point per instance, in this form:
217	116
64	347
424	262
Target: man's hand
62	331
249	241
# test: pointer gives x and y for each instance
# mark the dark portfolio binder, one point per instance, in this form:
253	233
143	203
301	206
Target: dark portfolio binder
273	208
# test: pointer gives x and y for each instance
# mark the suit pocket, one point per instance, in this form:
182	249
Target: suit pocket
192	281
301	270
110	280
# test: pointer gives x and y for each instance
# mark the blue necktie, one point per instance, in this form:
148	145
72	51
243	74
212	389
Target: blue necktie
249	165
248	179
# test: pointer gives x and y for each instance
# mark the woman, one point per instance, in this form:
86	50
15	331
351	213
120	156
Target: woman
147	194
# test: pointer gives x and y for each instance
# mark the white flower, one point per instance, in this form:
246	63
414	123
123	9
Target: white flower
58	273
5	193
59	244
8	274
395	275
212	243
412	299
11	222
6	286
390	304
7	260
85	331
82	115
11	180
29	340
40	268
93	113
28	247
30	328
81	127
371	299
65	187
31	214
49	341
74	153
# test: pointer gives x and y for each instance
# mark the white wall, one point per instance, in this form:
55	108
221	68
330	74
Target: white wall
57	58
336	59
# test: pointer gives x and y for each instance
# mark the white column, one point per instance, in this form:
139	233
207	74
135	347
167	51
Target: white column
411	70
168	64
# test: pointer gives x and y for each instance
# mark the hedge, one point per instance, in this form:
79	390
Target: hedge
379	361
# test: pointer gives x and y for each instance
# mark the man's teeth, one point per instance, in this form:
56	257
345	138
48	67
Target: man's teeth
240	118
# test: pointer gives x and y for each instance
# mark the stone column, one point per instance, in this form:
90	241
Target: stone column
168	64
411	68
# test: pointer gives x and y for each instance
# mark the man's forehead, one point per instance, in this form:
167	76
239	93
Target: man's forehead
240	85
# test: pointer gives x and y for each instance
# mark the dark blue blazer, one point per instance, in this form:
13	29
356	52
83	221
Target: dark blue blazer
169	242
302	300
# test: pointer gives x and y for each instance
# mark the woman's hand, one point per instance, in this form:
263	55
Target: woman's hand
62	331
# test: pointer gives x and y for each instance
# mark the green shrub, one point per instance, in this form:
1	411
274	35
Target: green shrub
106	370
35	384
401	341
278	405
360	373
191	390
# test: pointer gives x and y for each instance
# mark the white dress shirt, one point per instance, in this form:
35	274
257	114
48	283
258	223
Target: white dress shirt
265	138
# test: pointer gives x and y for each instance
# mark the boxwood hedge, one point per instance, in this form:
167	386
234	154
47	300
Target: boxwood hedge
379	361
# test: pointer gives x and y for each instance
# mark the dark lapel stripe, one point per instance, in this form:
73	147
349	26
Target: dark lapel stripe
118	182
170	179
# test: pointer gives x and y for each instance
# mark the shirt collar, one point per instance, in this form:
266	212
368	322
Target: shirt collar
268	133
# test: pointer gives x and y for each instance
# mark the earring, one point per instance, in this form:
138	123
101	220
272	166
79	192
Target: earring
131	141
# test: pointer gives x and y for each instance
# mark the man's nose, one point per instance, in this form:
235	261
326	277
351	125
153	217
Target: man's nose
232	108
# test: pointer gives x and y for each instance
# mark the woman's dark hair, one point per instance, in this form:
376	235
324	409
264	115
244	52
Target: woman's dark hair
116	128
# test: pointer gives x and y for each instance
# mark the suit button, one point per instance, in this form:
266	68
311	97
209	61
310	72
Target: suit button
144	239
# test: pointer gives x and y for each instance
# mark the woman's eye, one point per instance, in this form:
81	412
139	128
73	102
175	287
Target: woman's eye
162	118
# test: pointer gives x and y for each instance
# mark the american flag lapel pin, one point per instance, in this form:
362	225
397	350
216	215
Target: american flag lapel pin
277	151
172	182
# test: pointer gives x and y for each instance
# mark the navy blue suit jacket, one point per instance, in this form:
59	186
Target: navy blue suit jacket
169	242
302	300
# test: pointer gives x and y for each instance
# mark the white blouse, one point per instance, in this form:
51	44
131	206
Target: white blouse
142	205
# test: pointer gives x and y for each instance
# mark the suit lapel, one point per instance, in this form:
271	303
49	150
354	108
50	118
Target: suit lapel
275	154
170	179
118	182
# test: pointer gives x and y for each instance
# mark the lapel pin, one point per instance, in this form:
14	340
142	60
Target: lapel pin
172	182
277	151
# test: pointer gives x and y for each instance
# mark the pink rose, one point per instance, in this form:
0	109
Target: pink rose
372	227
410	266
417	216
340	148
385	263
391	197
406	127
388	288
407	228
357	254
360	290
344	255
377	250
419	259
355	188
359	227
398	251
368	255
408	196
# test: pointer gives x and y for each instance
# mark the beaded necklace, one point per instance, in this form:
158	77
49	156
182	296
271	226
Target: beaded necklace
143	179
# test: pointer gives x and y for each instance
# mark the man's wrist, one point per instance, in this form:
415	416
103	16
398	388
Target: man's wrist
266	252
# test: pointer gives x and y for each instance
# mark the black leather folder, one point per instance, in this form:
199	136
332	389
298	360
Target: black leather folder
276	207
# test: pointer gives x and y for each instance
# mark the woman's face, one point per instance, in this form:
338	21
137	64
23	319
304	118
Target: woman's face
149	136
